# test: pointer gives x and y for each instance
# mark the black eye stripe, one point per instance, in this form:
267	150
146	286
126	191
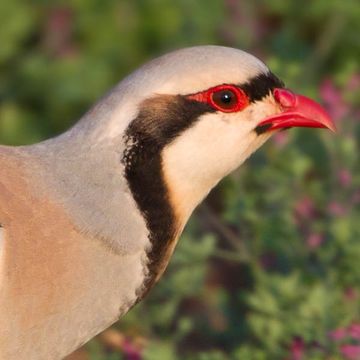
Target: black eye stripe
261	85
255	89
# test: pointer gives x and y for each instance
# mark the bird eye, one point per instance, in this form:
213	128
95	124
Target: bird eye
227	98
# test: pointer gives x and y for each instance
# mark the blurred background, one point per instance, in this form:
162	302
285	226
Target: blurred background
269	265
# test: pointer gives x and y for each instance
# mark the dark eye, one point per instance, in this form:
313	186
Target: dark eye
228	98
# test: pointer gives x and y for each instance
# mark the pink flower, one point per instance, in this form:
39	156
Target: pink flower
354	331
305	208
314	241
351	352
344	177
130	351
338	334
297	348
336	209
333	99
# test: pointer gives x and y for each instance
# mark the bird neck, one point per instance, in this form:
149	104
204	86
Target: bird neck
126	207
59	284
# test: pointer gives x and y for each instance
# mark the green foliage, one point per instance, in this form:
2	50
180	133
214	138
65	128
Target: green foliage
269	267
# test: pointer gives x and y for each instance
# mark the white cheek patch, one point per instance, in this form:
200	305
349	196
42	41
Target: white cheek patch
209	150
203	154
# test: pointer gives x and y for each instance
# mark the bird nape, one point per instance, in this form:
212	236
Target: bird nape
90	218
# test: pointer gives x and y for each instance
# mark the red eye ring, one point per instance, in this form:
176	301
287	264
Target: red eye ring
228	98
224	98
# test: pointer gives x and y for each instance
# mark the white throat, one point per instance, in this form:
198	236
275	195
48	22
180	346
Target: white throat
194	162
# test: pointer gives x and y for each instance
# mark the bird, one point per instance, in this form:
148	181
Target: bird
89	219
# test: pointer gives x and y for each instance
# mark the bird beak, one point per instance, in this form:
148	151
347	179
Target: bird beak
296	110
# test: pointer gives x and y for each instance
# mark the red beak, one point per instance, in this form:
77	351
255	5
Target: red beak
297	110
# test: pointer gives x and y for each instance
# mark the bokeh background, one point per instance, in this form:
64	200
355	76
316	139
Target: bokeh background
269	265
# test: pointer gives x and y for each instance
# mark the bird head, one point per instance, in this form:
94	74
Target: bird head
203	111
152	148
